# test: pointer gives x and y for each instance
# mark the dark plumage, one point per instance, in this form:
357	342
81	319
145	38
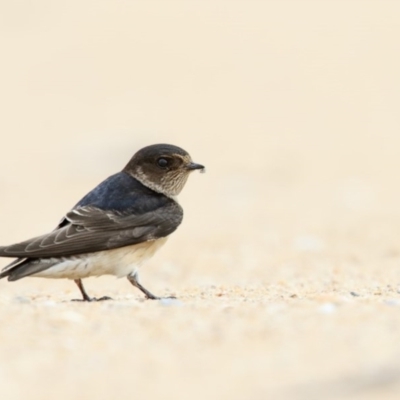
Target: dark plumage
119	212
131	210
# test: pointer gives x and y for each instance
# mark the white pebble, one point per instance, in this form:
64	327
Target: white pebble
170	302
327	308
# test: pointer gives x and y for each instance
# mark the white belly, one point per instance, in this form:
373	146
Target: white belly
119	262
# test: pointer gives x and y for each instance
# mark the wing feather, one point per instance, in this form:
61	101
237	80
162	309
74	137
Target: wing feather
87	229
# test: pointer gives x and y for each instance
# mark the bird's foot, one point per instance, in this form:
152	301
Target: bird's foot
152	297
92	299
134	280
102	298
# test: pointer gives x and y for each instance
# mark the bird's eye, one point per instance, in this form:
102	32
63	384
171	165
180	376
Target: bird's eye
162	162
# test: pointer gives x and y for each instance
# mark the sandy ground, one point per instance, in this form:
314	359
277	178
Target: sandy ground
287	265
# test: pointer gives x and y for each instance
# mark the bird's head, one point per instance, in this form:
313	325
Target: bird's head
163	168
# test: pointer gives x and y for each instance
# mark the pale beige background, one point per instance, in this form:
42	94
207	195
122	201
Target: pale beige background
287	265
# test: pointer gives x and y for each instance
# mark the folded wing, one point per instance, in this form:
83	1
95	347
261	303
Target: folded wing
87	229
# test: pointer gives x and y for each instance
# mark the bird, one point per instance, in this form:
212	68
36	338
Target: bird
112	230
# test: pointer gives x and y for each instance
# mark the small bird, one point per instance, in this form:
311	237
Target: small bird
116	227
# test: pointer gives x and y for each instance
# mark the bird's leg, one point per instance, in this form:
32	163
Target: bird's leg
135	282
83	291
134	279
85	296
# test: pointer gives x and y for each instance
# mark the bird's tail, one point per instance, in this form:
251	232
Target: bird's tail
3	274
22	267
7	270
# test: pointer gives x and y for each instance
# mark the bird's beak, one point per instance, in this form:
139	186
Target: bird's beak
192	166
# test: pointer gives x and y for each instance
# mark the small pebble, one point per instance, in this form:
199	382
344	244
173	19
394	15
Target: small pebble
392	302
48	303
327	308
21	300
170	302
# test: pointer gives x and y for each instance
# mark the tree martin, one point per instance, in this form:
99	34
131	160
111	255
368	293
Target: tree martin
116	227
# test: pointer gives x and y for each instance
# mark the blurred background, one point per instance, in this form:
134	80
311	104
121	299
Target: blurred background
293	106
